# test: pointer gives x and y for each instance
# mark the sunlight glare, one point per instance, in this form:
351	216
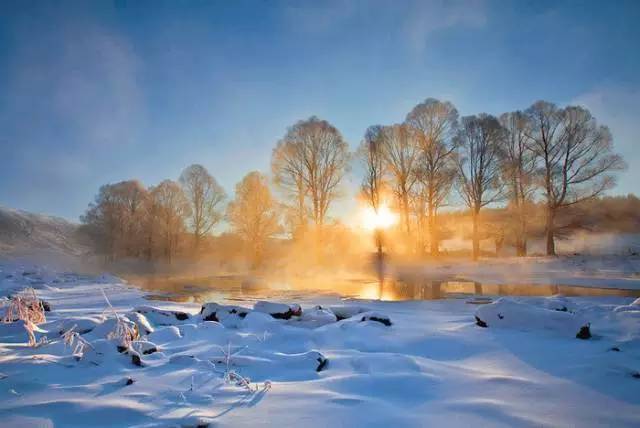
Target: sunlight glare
383	219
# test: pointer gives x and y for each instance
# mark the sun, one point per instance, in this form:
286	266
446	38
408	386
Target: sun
382	219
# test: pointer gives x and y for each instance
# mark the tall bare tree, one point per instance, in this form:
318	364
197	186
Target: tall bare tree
401	154
172	208
436	124
518	164
254	214
206	197
310	161
479	140
371	156
575	155
289	169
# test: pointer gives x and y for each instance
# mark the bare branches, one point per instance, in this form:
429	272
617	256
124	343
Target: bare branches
575	155
309	164
205	197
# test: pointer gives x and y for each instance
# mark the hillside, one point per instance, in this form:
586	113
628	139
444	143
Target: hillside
22	232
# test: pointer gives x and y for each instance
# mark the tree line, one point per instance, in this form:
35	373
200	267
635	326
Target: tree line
548	155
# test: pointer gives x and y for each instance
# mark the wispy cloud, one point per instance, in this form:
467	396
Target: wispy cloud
427	17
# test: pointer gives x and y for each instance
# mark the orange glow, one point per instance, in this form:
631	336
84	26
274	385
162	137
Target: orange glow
382	219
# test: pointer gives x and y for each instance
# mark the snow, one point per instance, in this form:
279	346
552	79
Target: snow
335	364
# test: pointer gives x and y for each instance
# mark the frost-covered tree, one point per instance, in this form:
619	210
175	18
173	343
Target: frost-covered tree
171	209
254	214
206	198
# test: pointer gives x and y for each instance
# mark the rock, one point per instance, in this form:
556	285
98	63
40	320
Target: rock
377	317
278	310
129	381
584	333
322	363
480	323
161	316
348	311
227	315
145	348
316	317
508	313
135	359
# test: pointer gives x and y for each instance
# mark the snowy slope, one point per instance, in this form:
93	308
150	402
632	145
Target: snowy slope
433	366
23	232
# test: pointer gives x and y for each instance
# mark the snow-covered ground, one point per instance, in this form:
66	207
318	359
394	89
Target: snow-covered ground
339	364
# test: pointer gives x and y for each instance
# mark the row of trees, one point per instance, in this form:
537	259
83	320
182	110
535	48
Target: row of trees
127	220
560	154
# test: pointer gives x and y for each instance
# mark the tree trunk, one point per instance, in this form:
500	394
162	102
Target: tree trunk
475	237
551	245
434	242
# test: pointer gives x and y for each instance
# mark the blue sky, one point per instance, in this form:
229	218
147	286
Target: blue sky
98	92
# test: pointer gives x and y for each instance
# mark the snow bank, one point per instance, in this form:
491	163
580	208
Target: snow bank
507	313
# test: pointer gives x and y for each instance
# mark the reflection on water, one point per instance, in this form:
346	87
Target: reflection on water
230	287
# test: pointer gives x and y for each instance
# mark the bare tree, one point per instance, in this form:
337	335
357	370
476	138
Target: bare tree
576	158
310	161
436	123
401	155
115	219
172	209
205	196
479	140
518	165
371	155
289	169
254	213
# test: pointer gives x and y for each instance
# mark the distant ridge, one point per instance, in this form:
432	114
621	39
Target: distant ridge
26	232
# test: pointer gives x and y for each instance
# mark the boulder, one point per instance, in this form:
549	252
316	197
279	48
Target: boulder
162	316
228	315
278	310
348	311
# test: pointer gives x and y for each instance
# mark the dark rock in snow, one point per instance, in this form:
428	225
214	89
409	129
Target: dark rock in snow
373	316
281	311
480	323
322	363
215	312
614	349
584	333
348	311
129	381
136	360
161	316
